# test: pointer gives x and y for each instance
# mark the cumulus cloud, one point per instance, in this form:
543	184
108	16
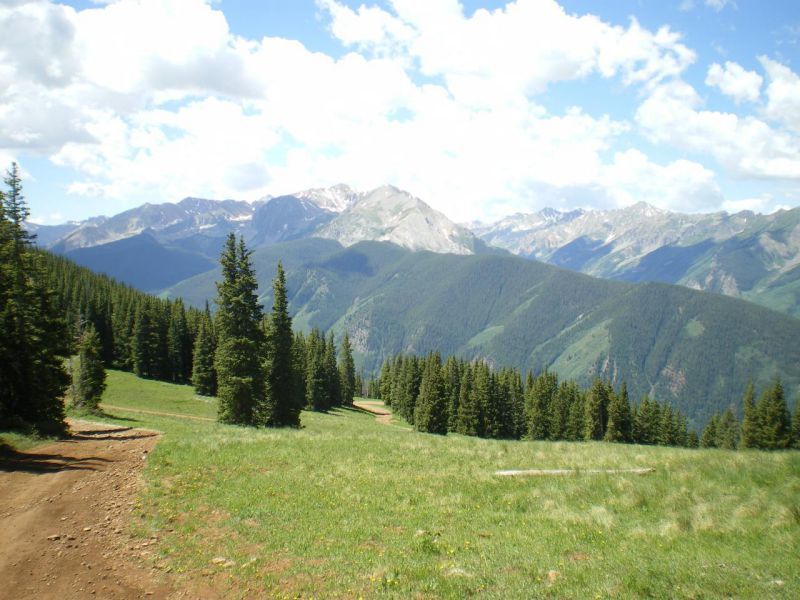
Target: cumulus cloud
734	81
153	100
746	146
783	94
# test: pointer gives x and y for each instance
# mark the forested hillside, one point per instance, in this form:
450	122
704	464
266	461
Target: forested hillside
694	350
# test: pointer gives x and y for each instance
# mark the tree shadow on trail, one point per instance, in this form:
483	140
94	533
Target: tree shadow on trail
13	461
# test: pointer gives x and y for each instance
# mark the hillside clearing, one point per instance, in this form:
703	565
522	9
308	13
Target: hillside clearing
346	507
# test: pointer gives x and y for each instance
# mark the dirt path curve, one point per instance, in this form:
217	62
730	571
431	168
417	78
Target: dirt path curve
64	513
376	407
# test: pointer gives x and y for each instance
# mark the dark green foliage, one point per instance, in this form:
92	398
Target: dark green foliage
34	336
596	410
430	411
179	345
332	373
538	400
727	434
750	426
619	427
495	405
347	372
316	386
796	425
282	406
240	376
88	372
709	437
204	375
773	418
691	350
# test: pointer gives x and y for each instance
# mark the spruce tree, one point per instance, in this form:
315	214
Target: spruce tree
89	374
34	338
240	377
750	426
179	347
618	428
204	376
596	410
708	439
538	398
430	412
468	419
282	407
796	425
347	372
774	421
727	434
316	379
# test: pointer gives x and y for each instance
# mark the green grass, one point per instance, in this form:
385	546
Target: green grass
347	507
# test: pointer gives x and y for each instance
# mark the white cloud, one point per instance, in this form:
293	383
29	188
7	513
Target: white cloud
745	146
153	100
718	5
783	94
509	53
735	81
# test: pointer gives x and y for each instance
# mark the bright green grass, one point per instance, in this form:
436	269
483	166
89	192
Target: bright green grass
347	507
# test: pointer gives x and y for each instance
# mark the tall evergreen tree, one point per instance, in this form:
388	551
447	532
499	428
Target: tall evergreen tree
708	439
204	376
773	417
750	426
538	398
796	425
34	338
282	408
430	411
88	373
596	410
179	344
468	421
316	379
347	372
619	427
240	377
727	434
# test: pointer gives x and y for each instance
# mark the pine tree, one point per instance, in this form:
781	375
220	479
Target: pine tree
468	419
179	347
240	377
282	408
619	426
430	412
347	372
727	433
750	426
34	338
538	398
596	410
796	425
89	374
708	439
316	379
774	421
204	376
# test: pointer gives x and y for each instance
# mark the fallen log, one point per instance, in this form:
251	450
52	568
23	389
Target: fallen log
541	472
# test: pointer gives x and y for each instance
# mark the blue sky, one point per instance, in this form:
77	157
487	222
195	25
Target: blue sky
479	108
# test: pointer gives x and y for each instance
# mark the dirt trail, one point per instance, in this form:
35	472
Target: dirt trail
64	513
382	414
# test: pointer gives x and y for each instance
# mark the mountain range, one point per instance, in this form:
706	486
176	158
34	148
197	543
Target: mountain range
400	276
693	349
746	255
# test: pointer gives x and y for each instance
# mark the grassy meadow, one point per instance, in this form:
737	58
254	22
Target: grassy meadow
349	507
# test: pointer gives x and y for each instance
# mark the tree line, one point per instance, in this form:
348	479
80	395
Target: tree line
765	425
262	372
470	398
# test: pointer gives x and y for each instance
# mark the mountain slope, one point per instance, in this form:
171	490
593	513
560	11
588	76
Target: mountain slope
693	349
743	255
142	262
